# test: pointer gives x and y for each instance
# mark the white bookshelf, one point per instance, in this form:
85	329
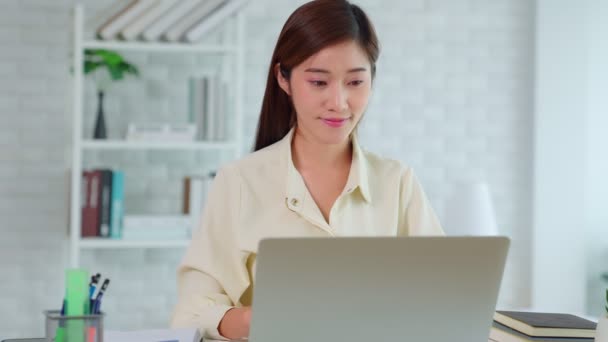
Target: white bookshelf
159	47
82	145
145	145
103	243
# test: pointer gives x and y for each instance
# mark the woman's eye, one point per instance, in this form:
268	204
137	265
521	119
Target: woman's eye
318	83
356	82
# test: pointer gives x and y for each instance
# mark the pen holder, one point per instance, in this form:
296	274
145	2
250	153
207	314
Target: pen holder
85	328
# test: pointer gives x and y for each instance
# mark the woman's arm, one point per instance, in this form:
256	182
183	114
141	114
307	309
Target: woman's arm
213	274
201	303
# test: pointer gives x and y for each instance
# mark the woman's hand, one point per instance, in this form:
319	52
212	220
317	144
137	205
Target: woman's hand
235	323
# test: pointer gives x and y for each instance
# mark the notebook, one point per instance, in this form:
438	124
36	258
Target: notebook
156	335
546	324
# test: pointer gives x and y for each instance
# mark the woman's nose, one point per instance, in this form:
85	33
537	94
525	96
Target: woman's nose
338	99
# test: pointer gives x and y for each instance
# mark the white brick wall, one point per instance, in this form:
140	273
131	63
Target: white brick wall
452	98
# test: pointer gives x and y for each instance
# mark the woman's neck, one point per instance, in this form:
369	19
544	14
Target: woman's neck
308	154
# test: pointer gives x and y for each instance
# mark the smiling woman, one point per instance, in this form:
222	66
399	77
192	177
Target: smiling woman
301	51
308	175
329	91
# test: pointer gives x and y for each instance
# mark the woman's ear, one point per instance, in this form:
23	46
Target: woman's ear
283	83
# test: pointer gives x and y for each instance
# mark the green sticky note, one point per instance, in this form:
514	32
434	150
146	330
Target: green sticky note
77	292
60	335
76	303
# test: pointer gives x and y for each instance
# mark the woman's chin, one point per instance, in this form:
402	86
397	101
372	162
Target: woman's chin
335	138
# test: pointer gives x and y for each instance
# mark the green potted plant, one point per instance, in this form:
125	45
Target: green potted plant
116	67
601	331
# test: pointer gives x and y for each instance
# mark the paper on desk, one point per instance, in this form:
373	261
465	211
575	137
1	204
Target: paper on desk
158	335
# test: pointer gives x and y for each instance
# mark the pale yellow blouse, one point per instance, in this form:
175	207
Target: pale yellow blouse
263	195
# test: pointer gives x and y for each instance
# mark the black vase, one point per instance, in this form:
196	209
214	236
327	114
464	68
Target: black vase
100	122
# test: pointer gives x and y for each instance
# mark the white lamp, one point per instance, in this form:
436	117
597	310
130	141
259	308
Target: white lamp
469	211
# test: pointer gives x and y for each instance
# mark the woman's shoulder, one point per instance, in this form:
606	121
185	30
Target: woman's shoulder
385	166
254	161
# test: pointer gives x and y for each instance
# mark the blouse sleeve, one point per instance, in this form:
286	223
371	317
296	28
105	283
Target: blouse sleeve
212	275
417	217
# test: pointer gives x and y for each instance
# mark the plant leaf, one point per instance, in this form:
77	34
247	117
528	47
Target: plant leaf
109	57
128	68
131	69
115	72
115	64
90	66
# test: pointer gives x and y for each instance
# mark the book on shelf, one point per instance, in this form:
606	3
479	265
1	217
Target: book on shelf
213	19
117	22
196	104
223	109
204	8
152	14
208	108
502	333
103	209
103	203
196	189
90	203
169	20
541	324
156	29
117	204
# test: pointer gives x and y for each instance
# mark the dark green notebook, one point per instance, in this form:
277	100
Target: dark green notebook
502	333
546	324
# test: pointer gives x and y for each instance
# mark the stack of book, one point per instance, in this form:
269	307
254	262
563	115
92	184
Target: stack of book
102	204
157	227
517	326
168	20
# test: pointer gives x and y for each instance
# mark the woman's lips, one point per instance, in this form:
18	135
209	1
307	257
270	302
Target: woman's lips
335	122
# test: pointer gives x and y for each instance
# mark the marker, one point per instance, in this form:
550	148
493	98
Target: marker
92	331
92	334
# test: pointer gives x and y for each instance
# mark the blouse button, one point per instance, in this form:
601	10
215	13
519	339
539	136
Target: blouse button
294	202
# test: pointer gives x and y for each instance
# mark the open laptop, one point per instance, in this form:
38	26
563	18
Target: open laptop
377	289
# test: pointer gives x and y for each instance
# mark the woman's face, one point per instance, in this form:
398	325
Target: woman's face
330	91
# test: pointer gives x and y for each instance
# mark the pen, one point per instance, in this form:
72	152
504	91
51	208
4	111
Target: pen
96	309
93	283
92	288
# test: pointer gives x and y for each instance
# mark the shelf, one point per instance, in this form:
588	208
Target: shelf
105	243
232	44
148	145
157	47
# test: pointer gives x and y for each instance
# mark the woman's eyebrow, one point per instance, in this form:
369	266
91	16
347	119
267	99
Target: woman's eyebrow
324	71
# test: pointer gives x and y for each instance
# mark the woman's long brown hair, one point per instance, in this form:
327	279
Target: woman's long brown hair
311	28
